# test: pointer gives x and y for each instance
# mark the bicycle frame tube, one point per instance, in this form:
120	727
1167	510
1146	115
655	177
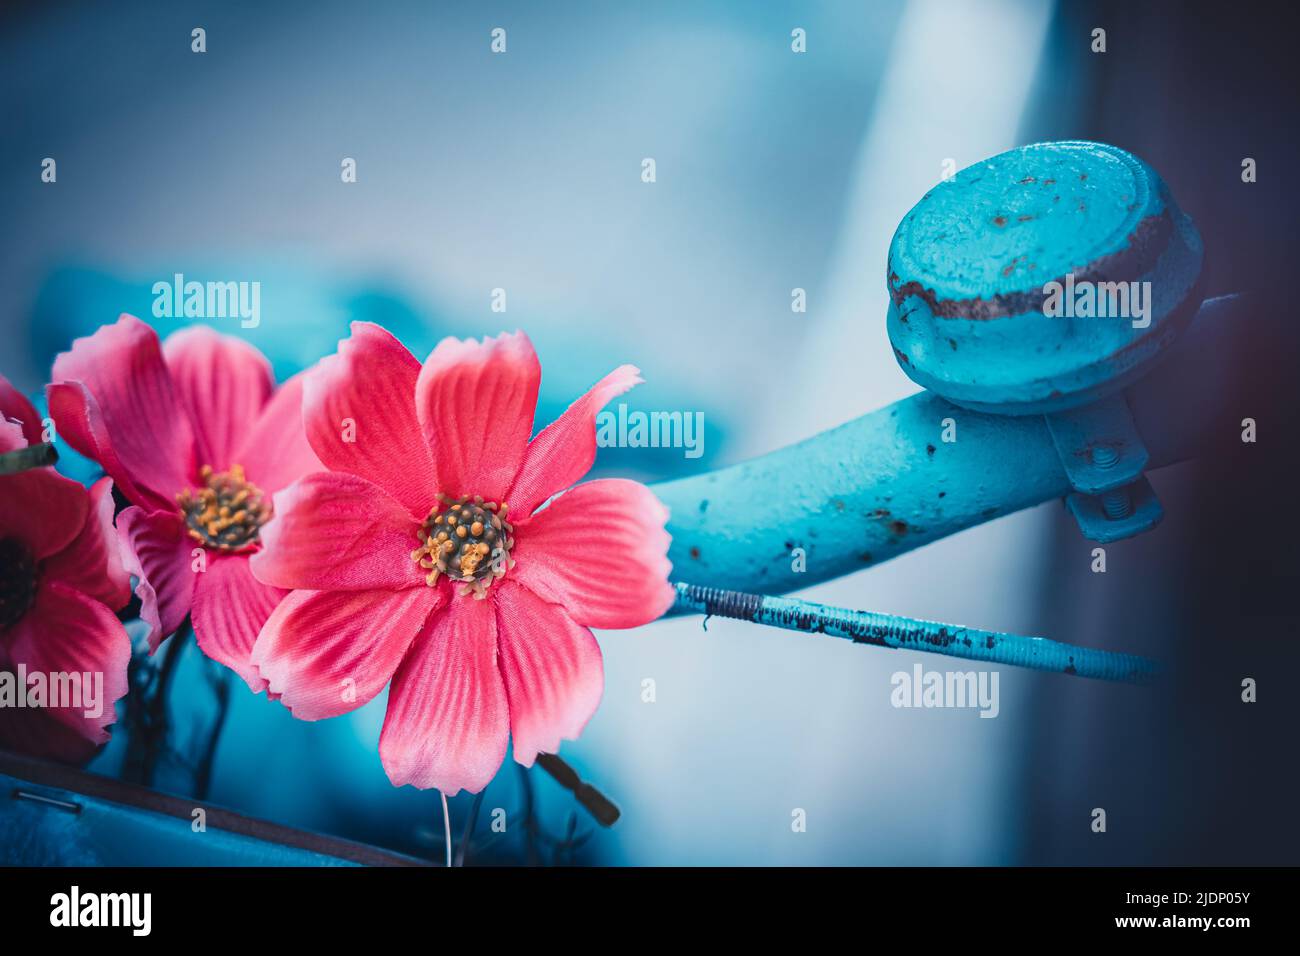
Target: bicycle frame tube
887	482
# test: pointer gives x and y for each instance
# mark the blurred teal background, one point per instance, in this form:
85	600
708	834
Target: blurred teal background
522	171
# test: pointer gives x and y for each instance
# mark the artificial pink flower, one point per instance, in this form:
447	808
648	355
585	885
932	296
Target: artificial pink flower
61	579
422	557
196	437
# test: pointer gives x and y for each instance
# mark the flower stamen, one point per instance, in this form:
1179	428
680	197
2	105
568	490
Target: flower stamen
467	539
227	513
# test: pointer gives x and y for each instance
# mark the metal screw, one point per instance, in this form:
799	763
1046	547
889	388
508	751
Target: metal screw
1117	504
1103	456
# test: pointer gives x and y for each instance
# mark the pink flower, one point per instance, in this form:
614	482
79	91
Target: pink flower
61	579
422	557
196	437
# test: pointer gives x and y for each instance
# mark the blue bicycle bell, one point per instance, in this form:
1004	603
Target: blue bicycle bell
1042	281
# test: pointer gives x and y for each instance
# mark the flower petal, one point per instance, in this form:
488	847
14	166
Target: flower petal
15	407
223	382
11	436
476	402
113	401
92	562
34	731
230	608
275	452
336	532
157	550
42	509
552	668
64	633
448	721
599	551
324	653
359	412
563	452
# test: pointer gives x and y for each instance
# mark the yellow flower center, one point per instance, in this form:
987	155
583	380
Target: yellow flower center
468	540
227	512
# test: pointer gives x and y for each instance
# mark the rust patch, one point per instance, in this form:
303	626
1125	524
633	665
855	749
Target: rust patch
1145	243
941	638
